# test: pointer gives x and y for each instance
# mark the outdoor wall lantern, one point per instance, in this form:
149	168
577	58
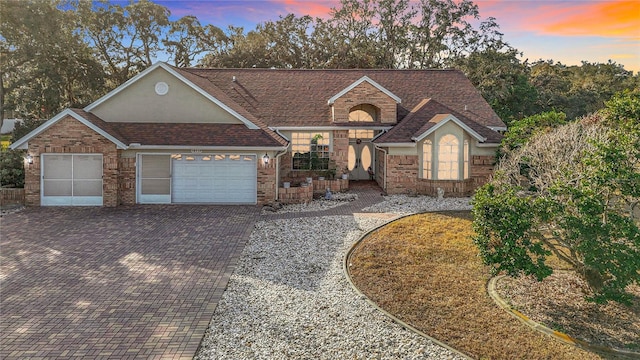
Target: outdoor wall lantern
265	159
29	159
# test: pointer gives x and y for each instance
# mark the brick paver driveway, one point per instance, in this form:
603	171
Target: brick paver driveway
129	282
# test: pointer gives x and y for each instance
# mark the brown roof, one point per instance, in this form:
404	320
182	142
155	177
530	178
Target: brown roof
192	134
189	134
109	128
299	97
427	114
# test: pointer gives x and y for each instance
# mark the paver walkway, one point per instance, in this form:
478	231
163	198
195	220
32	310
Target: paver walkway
129	282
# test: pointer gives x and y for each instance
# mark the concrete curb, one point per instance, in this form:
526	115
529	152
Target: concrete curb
491	290
345	269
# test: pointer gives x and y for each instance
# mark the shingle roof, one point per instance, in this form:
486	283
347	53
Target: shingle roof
109	128
426	115
299	97
191	134
181	134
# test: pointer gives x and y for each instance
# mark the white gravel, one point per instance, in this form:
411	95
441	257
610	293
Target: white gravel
404	204
289	297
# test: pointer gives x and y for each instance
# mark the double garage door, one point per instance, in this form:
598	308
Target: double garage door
71	179
198	178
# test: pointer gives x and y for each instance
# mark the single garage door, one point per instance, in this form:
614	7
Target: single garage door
71	179
214	179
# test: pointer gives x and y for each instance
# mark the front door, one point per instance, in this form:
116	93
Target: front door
360	160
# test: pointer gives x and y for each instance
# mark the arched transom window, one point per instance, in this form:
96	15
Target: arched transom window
363	113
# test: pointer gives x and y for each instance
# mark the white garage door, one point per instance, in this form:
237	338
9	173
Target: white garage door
214	179
71	179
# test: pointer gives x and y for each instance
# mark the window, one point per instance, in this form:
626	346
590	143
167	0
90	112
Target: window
466	159
448	163
426	159
362	134
363	112
310	150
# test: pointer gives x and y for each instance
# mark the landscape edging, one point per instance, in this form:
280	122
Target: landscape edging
491	290
345	269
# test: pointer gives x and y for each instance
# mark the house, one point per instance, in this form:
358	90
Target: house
234	136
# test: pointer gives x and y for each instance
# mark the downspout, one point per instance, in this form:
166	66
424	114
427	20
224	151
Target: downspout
278	154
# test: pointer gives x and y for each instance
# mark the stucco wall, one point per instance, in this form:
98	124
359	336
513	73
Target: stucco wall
182	104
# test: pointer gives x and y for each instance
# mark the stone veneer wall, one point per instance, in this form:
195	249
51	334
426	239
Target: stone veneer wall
402	174
126	179
337	185
68	135
295	195
365	93
267	182
403	177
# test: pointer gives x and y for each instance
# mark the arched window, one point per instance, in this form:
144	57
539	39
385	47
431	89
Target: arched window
448	163
427	149
363	112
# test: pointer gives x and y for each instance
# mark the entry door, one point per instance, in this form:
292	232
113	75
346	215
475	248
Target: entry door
360	160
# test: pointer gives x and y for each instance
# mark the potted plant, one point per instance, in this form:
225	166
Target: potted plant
345	173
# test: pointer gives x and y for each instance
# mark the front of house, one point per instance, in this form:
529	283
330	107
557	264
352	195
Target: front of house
235	136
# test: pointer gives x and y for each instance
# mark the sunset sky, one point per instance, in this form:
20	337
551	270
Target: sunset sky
568	31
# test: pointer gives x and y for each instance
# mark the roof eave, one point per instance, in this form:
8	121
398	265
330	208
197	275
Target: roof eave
23	143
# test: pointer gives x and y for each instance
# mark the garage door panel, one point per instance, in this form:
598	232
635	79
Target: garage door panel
57	187
57	167
87	188
217	178
71	179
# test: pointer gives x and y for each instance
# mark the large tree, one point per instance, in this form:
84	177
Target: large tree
126	40
574	192
45	64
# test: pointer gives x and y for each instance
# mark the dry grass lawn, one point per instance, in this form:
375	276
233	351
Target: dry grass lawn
425	270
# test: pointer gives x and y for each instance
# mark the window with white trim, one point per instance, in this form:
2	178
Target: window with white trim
448	163
465	150
427	150
310	150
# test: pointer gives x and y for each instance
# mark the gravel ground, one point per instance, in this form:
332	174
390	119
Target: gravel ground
289	297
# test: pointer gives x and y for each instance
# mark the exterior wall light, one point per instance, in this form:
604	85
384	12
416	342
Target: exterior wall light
29	159
265	159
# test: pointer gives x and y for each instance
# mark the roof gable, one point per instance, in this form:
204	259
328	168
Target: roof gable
440	120
92	123
428	116
360	81
190	81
